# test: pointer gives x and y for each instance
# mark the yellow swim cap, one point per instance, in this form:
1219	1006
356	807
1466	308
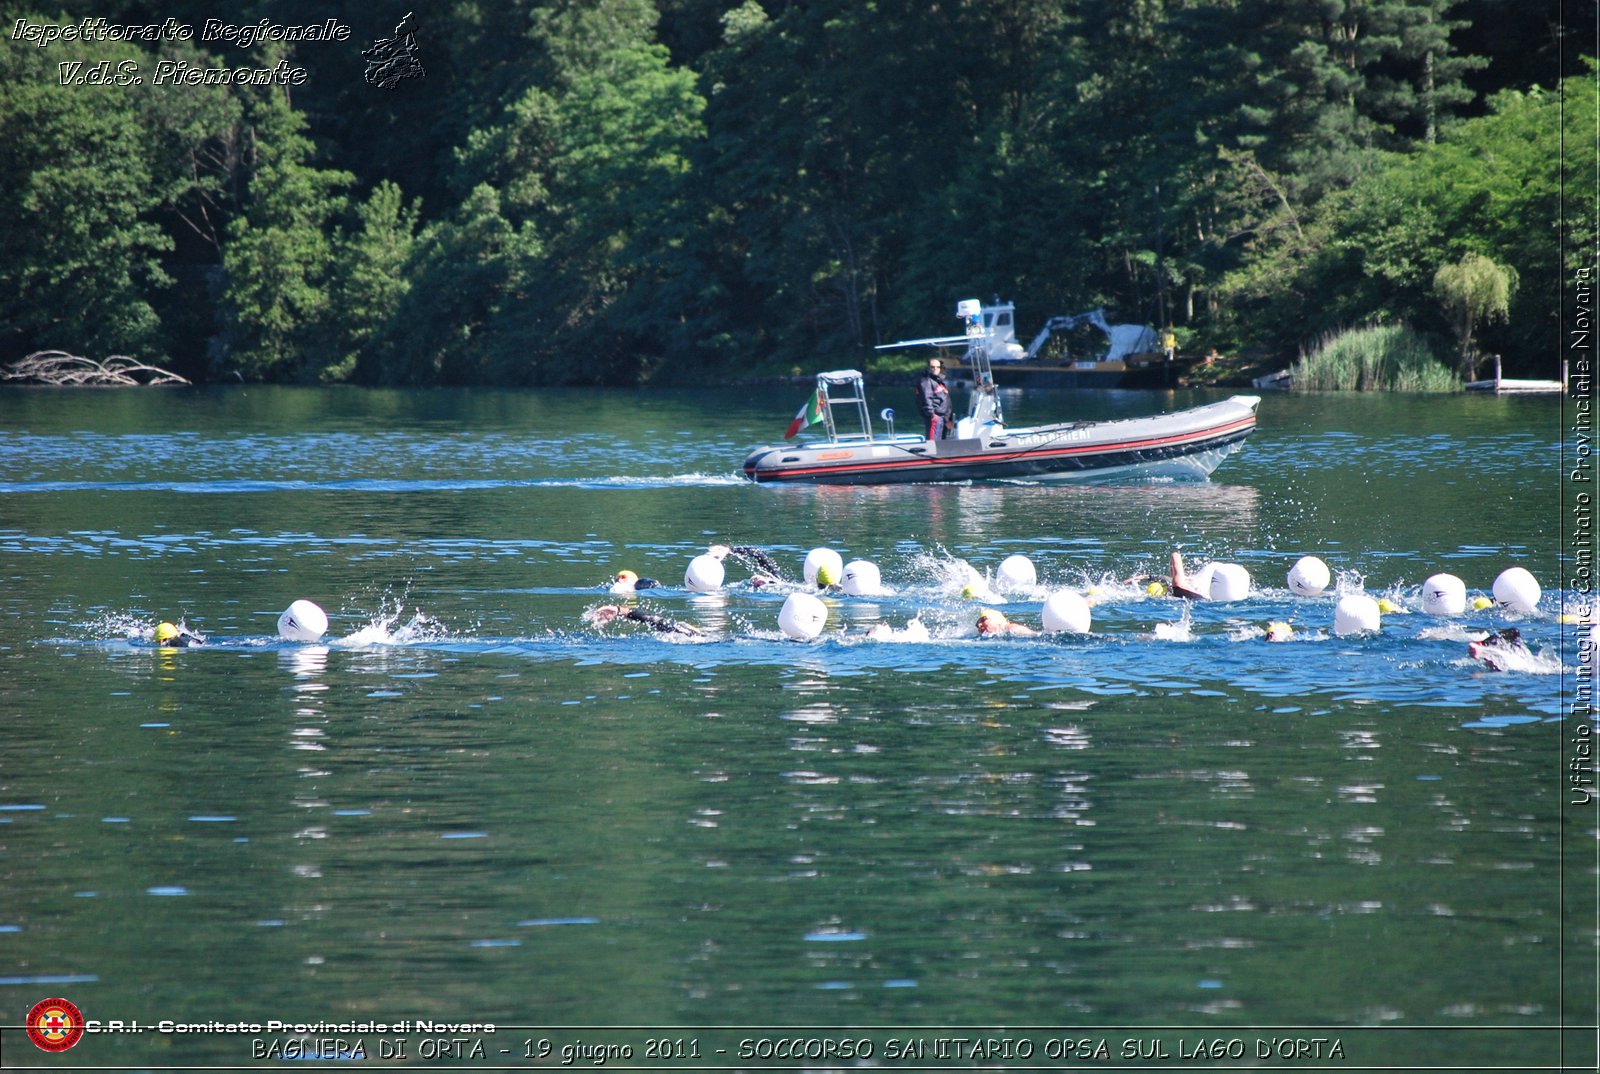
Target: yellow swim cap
825	576
1388	607
627	576
996	620
1279	631
165	632
1480	603
1156	589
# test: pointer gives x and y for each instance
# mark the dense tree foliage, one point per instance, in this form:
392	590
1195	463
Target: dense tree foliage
614	191
80	255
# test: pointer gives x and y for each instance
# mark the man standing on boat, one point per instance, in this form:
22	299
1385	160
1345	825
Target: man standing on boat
933	400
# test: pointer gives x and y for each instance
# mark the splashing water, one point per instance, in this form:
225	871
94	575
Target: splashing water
1182	630
119	625
386	628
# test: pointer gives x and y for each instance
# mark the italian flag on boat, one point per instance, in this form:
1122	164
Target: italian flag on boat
807	415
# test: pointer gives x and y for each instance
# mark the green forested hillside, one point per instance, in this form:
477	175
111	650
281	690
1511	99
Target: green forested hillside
616	191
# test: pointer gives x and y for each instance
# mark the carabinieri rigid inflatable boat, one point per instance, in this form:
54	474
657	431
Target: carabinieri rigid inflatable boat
1185	444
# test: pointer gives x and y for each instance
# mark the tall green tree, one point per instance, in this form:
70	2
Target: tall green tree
1491	186
589	170
834	134
369	282
1285	105
80	253
1420	85
279	251
465	275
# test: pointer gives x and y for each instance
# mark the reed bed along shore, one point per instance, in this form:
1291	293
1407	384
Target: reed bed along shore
1373	358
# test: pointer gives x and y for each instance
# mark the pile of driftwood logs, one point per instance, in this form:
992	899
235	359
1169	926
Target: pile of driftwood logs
62	370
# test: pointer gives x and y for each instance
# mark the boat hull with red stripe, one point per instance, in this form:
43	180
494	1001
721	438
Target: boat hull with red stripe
1186	444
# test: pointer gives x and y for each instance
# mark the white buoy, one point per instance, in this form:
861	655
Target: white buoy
803	616
1066	611
819	557
1516	589
1200	580
862	579
1309	576
1444	594
1356	614
706	572
1017	574
1229	581
302	621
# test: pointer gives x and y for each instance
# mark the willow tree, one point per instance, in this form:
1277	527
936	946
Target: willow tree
1474	290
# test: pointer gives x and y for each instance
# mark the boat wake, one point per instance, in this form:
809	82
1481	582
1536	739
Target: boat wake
377	485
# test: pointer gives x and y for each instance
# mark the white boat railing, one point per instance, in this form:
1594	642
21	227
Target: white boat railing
844	387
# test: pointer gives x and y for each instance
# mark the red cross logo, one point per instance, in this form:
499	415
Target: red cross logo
55	1025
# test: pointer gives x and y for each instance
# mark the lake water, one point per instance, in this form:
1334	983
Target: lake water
469	807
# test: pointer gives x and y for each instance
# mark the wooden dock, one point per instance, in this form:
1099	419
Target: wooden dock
1513	386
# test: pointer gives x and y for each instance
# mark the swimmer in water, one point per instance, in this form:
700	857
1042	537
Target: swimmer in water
758	561
1501	651
609	613
1279	631
1177	583
627	582
1180	585
993	622
172	636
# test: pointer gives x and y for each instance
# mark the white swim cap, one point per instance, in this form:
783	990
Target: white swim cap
1516	589
1309	576
1016	573
1229	581
1444	594
705	573
1066	611
862	578
803	616
302	621
1356	614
